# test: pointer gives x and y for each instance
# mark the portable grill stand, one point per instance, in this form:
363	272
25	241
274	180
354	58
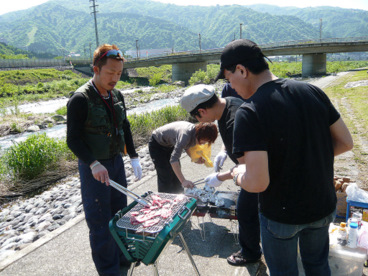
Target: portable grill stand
155	264
146	244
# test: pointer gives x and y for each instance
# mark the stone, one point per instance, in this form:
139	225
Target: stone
33	128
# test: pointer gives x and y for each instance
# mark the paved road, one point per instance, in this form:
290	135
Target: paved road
66	251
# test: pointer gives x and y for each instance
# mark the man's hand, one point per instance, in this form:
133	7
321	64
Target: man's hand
100	173
137	168
212	180
219	160
187	184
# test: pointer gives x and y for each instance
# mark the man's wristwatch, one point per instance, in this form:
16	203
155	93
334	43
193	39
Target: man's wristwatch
235	178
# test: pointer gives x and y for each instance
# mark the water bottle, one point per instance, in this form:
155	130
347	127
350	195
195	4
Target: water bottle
353	235
342	235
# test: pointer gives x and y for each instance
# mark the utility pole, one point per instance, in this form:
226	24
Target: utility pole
94	13
136	45
90	51
320	29
200	45
241	30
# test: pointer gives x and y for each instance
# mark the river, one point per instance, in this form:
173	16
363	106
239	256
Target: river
59	131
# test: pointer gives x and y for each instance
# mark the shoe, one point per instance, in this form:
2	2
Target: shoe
237	259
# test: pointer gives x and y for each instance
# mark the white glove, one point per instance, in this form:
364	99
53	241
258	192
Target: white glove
137	168
212	180
219	160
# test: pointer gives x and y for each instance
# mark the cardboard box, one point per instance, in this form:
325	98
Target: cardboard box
343	261
341	204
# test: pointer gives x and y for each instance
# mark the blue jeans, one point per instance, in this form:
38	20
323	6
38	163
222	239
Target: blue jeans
248	219
280	246
101	203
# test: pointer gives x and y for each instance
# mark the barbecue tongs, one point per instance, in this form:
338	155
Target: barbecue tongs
127	192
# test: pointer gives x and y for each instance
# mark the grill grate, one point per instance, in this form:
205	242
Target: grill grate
124	221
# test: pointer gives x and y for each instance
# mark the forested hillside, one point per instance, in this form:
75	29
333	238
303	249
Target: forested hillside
64	26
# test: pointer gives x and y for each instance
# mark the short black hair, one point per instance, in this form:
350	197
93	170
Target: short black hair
255	66
207	104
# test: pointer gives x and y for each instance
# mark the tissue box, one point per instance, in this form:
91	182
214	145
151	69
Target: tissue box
343	261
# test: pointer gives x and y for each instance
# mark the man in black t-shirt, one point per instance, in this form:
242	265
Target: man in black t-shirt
228	91
203	104
288	133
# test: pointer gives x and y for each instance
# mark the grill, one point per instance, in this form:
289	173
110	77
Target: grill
141	244
227	211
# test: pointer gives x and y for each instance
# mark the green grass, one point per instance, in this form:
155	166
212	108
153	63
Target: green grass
28	159
143	124
356	98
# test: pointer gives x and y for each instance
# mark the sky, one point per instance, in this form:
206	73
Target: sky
14	5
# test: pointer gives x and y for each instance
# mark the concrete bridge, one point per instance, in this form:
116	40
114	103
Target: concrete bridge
184	64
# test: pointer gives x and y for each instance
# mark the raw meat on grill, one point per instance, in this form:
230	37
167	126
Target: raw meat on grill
160	209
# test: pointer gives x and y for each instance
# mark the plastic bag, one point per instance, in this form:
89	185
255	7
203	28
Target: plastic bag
356	194
199	151
363	236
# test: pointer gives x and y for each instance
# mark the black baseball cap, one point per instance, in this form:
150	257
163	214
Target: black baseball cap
236	52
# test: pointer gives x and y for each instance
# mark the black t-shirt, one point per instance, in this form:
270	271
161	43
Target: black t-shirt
228	91
226	125
291	121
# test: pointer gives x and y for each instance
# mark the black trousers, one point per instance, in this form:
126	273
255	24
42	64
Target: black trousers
167	180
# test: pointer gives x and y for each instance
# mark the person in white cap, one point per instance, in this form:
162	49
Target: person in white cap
203	104
287	133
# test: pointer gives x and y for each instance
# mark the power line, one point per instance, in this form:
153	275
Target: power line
94	13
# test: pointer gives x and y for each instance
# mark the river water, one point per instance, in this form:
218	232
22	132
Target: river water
59	131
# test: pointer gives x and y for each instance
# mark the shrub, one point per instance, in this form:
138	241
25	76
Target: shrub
199	76
143	124
155	79
30	158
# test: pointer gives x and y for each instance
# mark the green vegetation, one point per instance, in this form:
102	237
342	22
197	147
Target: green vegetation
280	69
37	84
205	77
28	159
354	98
142	125
10	52
352	104
65	25
155	74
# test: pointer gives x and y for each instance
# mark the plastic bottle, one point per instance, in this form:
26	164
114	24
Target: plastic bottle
342	234
353	235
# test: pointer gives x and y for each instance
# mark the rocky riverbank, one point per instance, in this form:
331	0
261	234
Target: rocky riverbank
26	220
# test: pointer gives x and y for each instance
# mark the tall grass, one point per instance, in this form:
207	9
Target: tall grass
143	124
28	159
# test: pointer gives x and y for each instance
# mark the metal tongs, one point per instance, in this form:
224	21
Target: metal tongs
127	192
199	181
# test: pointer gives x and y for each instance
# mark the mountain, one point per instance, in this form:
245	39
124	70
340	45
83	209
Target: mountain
63	26
336	22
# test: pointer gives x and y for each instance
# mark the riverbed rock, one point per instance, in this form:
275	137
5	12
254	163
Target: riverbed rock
59	118
33	128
